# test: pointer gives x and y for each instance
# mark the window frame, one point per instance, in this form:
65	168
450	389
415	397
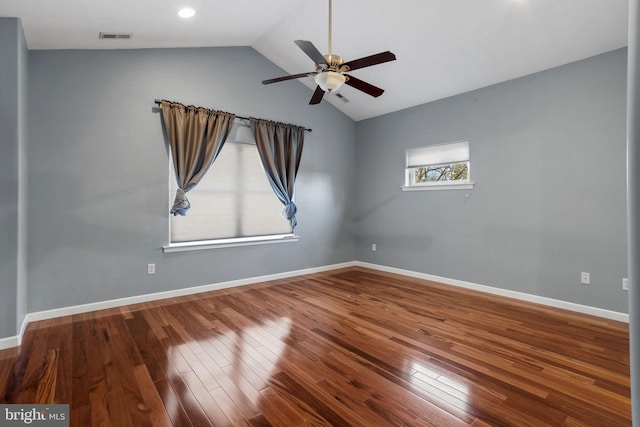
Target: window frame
411	185
223	242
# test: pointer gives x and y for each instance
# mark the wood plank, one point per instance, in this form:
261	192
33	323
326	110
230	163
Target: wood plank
152	401
180	403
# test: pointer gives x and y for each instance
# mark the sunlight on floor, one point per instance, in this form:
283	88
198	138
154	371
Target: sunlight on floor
434	382
228	368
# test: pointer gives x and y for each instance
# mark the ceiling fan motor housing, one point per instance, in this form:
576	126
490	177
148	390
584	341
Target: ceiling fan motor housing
334	61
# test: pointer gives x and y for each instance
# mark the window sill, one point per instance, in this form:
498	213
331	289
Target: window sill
465	186
229	243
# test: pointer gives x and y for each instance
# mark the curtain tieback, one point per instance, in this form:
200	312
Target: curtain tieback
180	204
289	212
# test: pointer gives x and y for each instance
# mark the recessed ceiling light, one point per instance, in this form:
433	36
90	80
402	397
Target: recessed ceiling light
187	12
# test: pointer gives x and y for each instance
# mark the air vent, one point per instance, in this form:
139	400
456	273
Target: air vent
115	36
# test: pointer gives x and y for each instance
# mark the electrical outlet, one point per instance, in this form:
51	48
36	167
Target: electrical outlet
151	269
585	278
374	247
625	284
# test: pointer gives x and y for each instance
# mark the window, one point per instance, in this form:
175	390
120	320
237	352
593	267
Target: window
438	167
233	203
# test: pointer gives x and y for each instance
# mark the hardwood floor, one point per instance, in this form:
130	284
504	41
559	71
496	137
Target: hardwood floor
348	347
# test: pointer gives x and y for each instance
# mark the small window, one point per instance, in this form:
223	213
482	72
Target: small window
442	166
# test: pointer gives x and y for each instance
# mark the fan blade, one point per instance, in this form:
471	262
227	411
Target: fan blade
290	77
311	51
317	96
368	61
367	88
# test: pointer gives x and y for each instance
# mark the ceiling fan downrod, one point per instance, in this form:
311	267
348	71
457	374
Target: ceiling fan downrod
333	61
330	26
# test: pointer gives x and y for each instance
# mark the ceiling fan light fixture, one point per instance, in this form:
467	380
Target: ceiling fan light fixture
330	81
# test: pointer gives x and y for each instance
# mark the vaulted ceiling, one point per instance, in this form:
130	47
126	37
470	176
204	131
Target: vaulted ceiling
444	47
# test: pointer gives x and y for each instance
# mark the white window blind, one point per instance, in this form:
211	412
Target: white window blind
453	152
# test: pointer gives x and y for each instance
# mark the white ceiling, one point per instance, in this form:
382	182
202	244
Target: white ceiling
444	47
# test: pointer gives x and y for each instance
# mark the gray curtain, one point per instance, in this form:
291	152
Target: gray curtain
280	149
195	136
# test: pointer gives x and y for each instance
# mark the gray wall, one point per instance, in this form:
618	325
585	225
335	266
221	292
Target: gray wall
98	171
13	72
548	158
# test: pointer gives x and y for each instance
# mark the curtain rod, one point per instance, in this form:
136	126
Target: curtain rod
157	101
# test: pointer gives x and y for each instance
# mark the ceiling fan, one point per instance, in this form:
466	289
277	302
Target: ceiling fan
330	73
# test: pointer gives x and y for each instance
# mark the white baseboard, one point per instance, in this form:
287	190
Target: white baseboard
85	308
15	340
585	309
9	342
